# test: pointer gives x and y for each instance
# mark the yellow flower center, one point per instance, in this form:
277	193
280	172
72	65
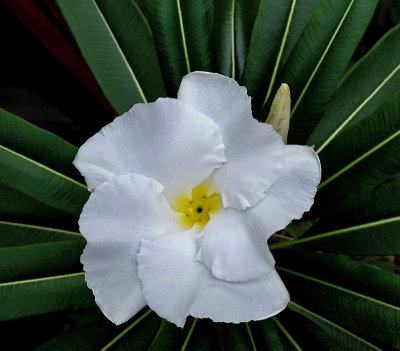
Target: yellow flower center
197	210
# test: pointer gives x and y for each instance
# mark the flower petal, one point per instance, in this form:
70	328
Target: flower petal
111	272
253	150
116	217
175	286
232	250
167	140
293	193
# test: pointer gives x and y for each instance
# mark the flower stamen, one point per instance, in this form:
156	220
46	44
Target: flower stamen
197	210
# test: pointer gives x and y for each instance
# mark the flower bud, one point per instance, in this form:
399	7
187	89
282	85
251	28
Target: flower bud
279	114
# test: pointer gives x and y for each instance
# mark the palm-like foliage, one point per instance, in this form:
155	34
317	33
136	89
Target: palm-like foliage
351	116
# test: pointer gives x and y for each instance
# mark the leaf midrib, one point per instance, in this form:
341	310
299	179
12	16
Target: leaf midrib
39	280
250	334
334	232
337	287
280	52
42	166
134	78
334	325
37	227
233	39
319	63
286	333
359	159
126	330
185	51
358	109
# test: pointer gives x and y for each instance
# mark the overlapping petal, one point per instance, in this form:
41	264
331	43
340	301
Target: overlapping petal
167	140
116	217
175	286
293	193
232	250
111	272
254	152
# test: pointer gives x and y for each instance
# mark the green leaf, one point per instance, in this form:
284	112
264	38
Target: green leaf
168	337
371	228
351	294
91	330
362	90
36	260
236	337
344	336
183	33
29	251
16	206
266	335
309	335
319	59
136	334
381	203
38	144
16	234
203	337
296	229
360	158
38	165
117	44
29	297
277	28
40	182
372	238
286	335
234	21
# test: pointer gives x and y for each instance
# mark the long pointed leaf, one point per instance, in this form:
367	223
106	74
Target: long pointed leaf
16	234
319	59
360	159
122	58
16	206
183	35
92	331
351	294
344	336
42	295
234	21
36	260
363	89
277	28
372	238
38	144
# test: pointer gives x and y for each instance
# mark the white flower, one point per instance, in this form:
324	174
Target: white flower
186	193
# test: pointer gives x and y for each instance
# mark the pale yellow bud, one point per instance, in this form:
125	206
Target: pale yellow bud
279	115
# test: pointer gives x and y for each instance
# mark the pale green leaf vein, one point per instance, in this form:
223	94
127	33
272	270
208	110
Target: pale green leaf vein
185	51
233	39
359	159
336	287
322	57
286	333
280	53
133	76
342	231
189	334
43	166
357	110
294	306
40	280
253	344
37	227
126	330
